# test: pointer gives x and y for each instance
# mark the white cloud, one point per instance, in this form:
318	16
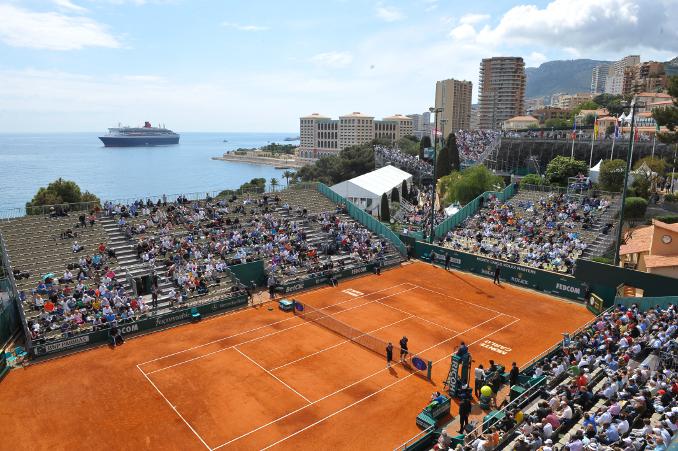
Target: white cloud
334	59
241	27
388	13
612	26
472	19
69	5
535	59
430	5
20	27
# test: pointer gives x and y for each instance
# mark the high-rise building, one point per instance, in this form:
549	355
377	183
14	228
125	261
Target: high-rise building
421	124
454	97
598	78
502	90
614	84
649	76
321	135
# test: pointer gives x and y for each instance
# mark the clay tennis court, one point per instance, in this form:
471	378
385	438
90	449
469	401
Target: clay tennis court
259	378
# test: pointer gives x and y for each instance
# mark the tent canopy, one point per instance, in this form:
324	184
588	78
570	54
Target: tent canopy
373	184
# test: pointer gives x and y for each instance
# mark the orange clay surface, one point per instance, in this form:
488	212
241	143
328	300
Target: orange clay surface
260	378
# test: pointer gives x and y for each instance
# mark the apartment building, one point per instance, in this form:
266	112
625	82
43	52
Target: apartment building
502	90
454	98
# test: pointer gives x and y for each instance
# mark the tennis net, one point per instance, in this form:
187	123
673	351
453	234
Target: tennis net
363	339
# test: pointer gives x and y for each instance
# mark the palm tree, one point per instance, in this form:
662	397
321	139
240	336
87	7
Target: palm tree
287	175
274	183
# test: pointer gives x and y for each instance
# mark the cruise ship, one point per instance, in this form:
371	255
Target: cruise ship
139	136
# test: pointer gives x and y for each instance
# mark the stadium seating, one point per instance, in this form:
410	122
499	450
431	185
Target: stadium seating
545	230
184	247
613	385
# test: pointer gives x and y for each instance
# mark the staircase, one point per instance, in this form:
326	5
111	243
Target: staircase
133	266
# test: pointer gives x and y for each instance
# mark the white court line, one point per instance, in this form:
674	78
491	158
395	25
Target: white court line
271	374
372	394
263	326
340	343
269	334
466	302
346	387
174	408
418	317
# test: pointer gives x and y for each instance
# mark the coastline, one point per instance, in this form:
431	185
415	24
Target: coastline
294	163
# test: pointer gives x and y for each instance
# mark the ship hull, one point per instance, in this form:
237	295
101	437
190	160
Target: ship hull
138	141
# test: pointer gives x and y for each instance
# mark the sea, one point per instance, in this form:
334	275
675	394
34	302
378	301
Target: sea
31	161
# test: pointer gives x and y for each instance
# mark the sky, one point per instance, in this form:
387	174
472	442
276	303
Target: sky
255	66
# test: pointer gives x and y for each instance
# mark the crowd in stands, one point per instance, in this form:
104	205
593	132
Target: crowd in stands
196	242
417	216
476	145
543	234
88	296
408	163
614	386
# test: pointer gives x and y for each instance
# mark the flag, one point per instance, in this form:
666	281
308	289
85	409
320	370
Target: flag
617	131
437	132
574	129
595	127
636	136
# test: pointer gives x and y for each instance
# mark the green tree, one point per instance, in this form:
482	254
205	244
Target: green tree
532	179
455	160
409	144
609	130
612	175
635	207
468	184
588	105
405	190
589	119
560	168
444	162
274	183
60	191
288	175
385	211
351	162
557	123
668	116
395	195
614	104
423	144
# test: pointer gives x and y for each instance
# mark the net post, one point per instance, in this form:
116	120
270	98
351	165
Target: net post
428	370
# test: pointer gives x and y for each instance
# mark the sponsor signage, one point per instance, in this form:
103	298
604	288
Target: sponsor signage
138	326
525	276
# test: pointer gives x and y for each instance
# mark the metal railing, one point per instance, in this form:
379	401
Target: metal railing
14	291
409	442
471	208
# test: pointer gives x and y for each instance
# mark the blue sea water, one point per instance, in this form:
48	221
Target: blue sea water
29	161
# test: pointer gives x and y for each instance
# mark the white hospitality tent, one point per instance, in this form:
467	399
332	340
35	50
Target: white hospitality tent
366	190
594	172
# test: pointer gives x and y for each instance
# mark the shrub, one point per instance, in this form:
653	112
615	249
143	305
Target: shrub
668	219
634	207
670	197
532	179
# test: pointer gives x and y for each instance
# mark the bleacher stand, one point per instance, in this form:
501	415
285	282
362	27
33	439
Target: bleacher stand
607	388
544	230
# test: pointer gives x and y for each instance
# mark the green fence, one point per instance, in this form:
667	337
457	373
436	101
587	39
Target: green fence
545	281
143	325
646	303
365	219
595	273
323	278
247	273
471	208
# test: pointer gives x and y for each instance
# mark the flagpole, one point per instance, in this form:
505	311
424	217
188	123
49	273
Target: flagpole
593	136
654	141
574	136
614	140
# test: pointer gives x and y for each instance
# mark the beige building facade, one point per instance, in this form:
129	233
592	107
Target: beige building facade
501	91
322	136
454	97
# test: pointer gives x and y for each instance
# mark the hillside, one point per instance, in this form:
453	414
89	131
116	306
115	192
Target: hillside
569	76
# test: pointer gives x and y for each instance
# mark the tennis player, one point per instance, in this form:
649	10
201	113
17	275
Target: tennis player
403	348
389	354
